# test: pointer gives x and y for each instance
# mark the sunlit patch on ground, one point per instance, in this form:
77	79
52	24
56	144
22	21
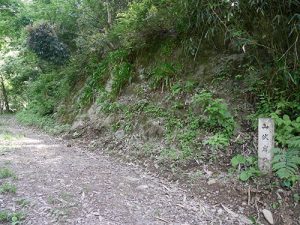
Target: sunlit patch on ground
8	136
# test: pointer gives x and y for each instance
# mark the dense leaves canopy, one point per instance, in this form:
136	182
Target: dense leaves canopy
43	40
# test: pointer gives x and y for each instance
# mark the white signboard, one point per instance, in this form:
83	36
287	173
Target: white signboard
266	130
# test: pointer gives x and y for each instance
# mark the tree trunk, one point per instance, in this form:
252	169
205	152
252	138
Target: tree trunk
4	94
109	16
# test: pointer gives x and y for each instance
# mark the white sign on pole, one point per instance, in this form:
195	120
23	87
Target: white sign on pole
266	131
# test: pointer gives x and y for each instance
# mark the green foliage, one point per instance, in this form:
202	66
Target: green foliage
115	66
43	40
182	87
64	14
140	23
30	118
250	173
154	110
43	94
246	166
286	164
108	106
286	128
105	40
6	173
14	218
121	76
285	114
163	75
93	29
120	68
217	141
23	202
171	154
94	84
294	142
9	9
4	216
215	112
8	188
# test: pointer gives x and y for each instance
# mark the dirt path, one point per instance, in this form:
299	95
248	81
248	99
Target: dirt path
67	185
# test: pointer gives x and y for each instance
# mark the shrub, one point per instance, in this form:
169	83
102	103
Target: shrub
286	162
285	114
48	124
216	113
217	141
122	75
286	128
120	68
163	75
43	41
246	166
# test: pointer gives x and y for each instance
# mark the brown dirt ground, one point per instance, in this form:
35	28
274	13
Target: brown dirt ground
208	181
63	183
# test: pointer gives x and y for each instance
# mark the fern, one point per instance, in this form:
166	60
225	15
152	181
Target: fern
294	143
286	164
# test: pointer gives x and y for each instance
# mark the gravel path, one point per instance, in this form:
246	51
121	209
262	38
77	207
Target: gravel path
68	185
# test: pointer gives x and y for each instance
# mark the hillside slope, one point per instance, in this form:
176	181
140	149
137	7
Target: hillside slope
175	85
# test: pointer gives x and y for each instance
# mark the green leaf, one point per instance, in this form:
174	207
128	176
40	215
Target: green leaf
237	160
245	175
279	165
284	173
286	118
250	160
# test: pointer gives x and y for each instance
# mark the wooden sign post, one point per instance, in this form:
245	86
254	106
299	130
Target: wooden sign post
266	131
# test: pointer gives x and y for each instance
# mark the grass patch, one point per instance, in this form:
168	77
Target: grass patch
45	123
6	173
8	188
23	202
13	218
8	136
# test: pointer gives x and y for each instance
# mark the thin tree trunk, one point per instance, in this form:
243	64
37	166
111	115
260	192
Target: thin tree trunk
5	98
109	16
1	108
109	23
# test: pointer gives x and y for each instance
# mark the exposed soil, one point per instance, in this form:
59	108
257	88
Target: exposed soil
64	184
207	180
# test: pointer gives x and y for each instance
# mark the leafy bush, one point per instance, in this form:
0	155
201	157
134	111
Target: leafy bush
46	123
42	40
143	22
163	75
286	162
217	141
114	65
44	93
122	75
246	166
216	113
286	128
94	83
285	114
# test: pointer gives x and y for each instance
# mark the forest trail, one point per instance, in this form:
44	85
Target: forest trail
69	185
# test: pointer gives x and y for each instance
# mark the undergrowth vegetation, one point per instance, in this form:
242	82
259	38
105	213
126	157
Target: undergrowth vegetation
7	188
60	57
12	218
